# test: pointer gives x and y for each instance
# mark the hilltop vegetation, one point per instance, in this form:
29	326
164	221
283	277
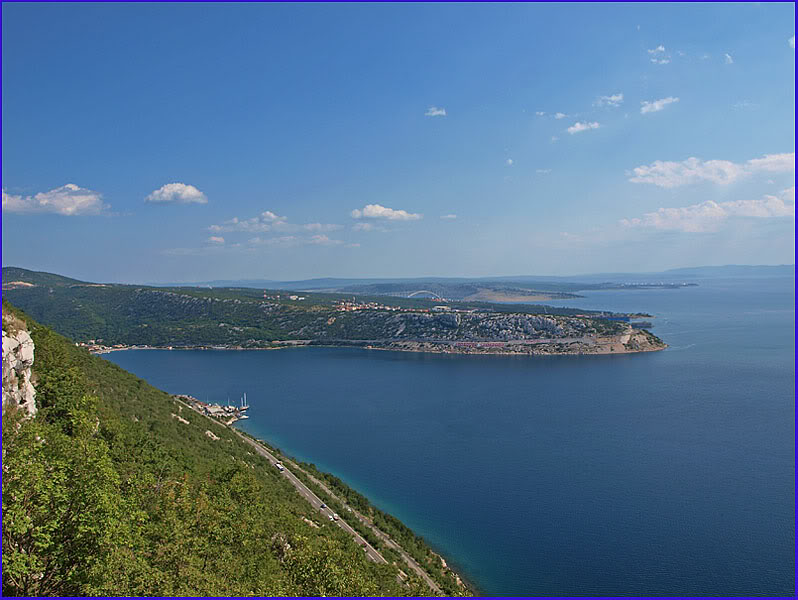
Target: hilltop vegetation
245	317
17	274
106	492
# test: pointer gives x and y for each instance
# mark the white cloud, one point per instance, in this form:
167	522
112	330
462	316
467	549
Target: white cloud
542	171
613	100
728	59
560	115
285	240
656	105
293	240
449	217
323	240
377	211
363	227
266	221
68	200
669	174
578	127
554	138
659	57
177	193
269	221
540	113
434	111
509	162
321	227
773	163
708	216
216	239
791	42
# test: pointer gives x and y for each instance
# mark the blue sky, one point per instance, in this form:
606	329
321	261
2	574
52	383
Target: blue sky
186	142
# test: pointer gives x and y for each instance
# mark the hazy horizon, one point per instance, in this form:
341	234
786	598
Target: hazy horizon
571	276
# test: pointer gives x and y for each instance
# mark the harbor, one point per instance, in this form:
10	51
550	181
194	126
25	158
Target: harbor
225	413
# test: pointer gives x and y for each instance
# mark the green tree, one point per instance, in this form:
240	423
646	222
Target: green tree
60	507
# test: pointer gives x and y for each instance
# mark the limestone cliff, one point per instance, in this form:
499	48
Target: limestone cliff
18	389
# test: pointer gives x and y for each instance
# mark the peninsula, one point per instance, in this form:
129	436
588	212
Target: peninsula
115	316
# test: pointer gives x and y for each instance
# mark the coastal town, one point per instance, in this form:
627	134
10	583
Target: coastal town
440	328
354	306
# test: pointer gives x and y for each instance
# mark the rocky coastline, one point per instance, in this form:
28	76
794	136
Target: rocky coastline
18	351
629	342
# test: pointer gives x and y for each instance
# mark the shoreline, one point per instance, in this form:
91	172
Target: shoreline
272	451
549	347
530	354
463	582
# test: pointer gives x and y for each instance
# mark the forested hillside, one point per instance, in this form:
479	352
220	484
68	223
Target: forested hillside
251	318
107	492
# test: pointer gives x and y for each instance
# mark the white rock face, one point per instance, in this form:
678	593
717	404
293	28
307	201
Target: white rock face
17	362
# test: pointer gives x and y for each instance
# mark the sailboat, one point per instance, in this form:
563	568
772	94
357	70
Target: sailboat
244	406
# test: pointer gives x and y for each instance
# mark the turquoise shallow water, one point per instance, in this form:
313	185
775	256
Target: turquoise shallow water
669	473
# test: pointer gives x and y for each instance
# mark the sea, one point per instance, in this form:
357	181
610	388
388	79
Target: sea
657	474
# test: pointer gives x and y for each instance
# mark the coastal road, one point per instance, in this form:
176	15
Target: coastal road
386	539
306	493
315	501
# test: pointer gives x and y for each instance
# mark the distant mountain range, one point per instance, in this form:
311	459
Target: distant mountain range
334	283
538	282
736	271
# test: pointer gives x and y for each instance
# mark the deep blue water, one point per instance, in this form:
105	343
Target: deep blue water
668	473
